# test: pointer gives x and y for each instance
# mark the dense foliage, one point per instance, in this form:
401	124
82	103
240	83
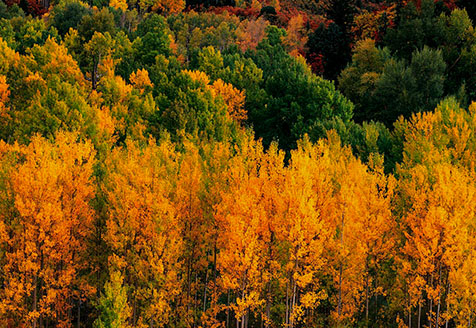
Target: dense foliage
237	163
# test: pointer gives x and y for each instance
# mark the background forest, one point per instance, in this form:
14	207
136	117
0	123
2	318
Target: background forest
235	163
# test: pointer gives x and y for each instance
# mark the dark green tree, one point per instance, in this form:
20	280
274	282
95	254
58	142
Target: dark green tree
68	16
416	27
296	99
331	44
101	21
152	39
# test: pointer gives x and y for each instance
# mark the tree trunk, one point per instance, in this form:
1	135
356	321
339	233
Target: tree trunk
268	306
294	286
439	299
286	319
205	292
35	300
419	312
79	313
431	302
134	309
367	299
228	311
339	306
448	305
94	75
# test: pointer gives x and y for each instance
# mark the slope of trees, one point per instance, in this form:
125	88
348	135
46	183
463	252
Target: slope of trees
237	164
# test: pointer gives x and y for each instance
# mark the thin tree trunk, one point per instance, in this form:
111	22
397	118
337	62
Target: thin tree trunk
293	304
94	77
470	321
431	302
228	311
339	306
134	309
196	304
439	299
367	299
376	302
448	305
205	292
294	291
79	313
287	304
243	297
419	312
35	300
189	284
268	306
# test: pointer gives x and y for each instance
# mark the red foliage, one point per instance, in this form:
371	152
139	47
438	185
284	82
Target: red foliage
311	22
36	7
450	4
33	7
240	12
12	2
316	61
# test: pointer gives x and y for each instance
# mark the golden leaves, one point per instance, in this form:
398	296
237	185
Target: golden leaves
118	4
52	188
140	80
4	93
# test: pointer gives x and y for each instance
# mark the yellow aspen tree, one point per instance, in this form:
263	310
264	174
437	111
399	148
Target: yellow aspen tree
48	234
215	163
296	36
4	93
118	4
8	161
244	233
140	80
165	6
435	203
142	228
272	177
438	229
306	200
358	218
196	231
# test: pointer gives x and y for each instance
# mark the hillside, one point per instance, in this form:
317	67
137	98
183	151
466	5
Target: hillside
235	163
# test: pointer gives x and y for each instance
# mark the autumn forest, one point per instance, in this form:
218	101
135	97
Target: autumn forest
237	163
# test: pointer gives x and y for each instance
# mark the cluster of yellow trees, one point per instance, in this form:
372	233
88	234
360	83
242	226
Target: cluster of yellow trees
221	234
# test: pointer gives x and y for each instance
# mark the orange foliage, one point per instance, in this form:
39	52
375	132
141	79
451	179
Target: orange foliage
168	6
4	93
251	32
234	99
142	227
140	80
49	230
118	4
296	37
